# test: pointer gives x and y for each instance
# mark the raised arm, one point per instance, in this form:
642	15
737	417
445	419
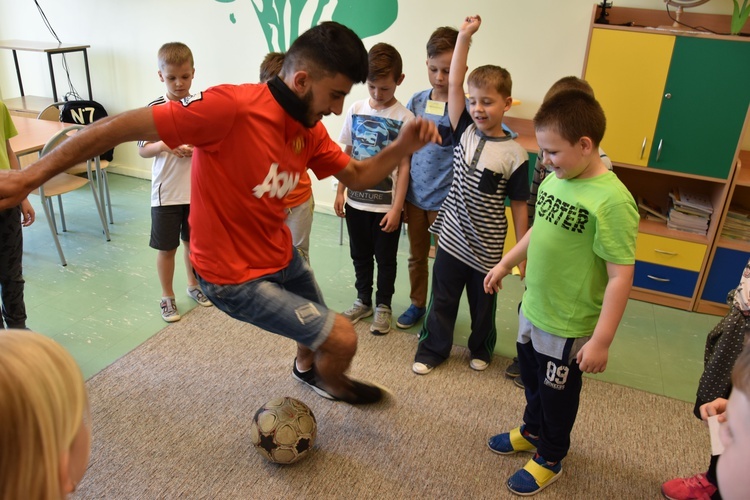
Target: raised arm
96	138
456	93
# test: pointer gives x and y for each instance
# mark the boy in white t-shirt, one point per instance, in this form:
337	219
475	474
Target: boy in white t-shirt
373	216
170	185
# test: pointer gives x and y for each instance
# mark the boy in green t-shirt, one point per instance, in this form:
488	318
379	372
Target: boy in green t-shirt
580	261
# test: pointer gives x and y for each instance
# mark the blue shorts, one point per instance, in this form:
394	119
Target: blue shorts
288	303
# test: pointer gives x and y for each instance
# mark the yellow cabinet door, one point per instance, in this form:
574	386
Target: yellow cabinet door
628	72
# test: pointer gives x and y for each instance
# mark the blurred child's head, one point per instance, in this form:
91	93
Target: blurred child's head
45	435
569	127
735	434
489	98
569	83
384	74
271	66
176	69
439	54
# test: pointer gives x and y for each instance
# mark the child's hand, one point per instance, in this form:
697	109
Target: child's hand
716	407
471	25
592	358
338	205
493	280
184	151
27	212
389	222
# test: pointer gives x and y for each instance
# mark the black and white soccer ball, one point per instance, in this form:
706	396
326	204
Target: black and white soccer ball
283	430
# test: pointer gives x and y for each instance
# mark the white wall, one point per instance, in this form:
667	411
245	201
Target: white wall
538	41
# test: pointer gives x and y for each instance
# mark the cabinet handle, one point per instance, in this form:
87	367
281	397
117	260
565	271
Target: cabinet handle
643	147
668	95
665	252
658	150
663	280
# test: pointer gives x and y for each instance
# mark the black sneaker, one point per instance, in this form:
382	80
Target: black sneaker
309	378
362	393
519	382
513	369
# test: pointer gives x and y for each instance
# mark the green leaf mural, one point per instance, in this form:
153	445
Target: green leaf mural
280	26
374	19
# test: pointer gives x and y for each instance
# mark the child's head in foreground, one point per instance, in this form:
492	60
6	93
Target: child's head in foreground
490	90
735	434
176	69
439	54
45	435
569	127
384	74
271	66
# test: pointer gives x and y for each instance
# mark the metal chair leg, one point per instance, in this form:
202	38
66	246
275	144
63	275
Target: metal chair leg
46	205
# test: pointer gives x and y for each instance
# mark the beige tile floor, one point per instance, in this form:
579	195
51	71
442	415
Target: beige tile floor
106	301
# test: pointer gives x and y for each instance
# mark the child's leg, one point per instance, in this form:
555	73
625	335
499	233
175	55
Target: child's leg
419	250
436	337
11	271
191	281
165	268
386	251
361	248
482	306
299	221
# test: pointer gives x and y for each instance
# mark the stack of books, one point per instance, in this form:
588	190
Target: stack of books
737	224
689	212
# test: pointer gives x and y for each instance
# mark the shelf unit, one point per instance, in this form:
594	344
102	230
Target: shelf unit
677	105
31	105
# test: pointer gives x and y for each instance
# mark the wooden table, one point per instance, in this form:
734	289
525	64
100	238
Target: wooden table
33	134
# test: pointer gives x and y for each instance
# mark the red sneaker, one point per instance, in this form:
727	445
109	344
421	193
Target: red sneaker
697	487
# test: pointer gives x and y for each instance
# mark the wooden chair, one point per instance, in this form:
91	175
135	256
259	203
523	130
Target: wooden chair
52	113
65	183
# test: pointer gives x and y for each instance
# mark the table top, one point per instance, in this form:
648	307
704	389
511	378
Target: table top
33	134
50	47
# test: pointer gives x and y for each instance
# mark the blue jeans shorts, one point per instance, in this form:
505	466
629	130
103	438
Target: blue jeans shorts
288	303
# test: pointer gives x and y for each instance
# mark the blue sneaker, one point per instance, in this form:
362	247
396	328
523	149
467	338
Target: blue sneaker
410	316
512	442
536	475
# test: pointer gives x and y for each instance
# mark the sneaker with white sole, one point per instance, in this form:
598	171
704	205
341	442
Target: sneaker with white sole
197	295
358	311
169	310
515	441
410	316
421	368
308	377
381	325
513	370
478	364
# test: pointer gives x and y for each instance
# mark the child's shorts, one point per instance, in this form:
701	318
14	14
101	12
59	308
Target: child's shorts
169	224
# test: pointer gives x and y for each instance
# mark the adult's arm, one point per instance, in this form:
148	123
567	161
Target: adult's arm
93	140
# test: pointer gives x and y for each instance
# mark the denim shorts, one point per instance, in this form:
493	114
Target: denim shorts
288	303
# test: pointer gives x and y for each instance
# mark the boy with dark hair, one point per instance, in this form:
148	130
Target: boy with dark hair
251	142
170	185
373	216
488	166
430	173
580	259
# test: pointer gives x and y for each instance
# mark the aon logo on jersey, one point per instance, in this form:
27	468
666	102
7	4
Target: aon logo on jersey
276	184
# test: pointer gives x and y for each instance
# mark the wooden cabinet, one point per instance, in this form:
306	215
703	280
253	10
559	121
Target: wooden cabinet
676	104
729	255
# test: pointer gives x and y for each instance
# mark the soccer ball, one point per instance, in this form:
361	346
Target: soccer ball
283	430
